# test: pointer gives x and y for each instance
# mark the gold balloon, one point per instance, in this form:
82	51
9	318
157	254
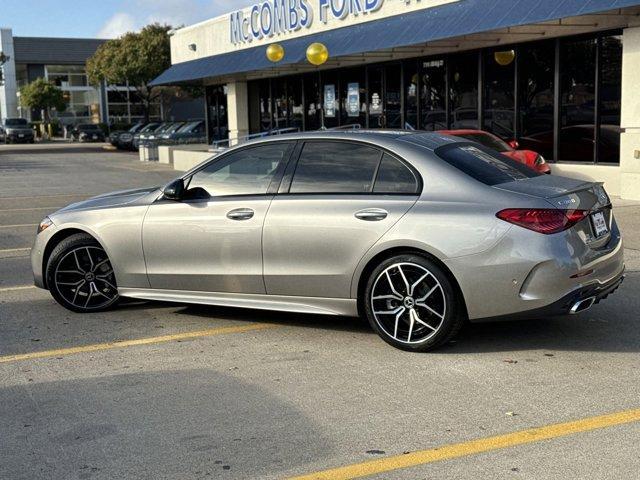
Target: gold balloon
275	52
505	58
317	54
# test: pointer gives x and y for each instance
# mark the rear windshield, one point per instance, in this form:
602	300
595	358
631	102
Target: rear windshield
15	122
486	140
485	165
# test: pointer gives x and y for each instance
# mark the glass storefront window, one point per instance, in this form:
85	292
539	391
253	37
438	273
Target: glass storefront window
281	104
393	96
353	95
294	93
578	94
463	91
266	106
376	97
433	92
442	93
313	104
499	92
411	94
536	66
330	92
610	99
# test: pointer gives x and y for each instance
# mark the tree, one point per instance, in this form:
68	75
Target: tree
43	95
136	58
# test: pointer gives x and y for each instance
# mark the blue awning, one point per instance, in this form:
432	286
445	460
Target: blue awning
465	17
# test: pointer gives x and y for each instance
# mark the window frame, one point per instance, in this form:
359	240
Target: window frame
273	186
289	174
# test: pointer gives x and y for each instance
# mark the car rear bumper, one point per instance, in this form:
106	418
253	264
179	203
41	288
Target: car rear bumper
578	301
528	273
19	138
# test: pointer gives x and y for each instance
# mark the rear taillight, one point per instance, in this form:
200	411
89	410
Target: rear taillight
540	160
543	220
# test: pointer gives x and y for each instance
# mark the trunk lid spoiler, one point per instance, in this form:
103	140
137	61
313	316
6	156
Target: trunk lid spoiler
561	192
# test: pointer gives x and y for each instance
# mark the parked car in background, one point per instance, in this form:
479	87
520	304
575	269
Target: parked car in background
142	137
159	134
127	140
527	157
191	132
114	137
88	132
16	130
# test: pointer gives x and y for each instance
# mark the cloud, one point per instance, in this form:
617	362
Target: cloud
117	25
139	13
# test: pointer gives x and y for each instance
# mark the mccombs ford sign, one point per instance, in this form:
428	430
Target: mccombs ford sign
281	17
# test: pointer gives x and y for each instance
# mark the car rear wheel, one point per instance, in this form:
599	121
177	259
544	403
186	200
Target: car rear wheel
411	303
80	276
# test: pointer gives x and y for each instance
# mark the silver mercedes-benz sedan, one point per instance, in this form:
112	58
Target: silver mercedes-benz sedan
419	232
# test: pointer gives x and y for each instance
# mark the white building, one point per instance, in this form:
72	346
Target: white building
63	61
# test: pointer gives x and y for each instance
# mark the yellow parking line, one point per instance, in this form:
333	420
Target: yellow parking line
16	289
132	343
474	447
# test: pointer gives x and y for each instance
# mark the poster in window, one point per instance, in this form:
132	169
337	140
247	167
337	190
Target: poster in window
375	108
353	100
330	101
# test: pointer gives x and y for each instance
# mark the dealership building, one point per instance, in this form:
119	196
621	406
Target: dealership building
562	77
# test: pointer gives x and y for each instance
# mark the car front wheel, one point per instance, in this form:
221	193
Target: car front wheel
80	276
411	303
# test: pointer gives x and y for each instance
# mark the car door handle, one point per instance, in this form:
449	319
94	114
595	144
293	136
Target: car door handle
372	215
241	214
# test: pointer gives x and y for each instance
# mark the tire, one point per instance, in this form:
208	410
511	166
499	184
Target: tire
416	321
80	276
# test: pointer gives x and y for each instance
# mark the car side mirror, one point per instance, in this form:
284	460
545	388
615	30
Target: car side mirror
514	144
175	190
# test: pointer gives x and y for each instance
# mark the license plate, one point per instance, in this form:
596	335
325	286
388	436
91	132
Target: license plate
600	226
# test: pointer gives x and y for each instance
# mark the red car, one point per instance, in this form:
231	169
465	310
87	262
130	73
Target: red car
529	158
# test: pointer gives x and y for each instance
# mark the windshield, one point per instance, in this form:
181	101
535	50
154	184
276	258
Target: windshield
174	128
485	165
150	127
16	122
487	140
188	127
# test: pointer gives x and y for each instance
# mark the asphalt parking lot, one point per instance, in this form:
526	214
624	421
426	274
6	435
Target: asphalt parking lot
155	391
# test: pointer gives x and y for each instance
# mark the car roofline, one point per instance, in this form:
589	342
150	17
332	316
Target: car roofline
431	140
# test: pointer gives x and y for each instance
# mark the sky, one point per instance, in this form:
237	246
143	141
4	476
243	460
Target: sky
105	18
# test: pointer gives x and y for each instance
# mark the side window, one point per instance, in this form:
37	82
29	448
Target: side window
336	167
247	172
394	177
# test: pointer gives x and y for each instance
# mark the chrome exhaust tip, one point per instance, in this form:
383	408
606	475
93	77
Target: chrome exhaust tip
583	305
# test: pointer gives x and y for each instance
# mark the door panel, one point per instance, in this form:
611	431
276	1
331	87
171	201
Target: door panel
212	246
312	244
